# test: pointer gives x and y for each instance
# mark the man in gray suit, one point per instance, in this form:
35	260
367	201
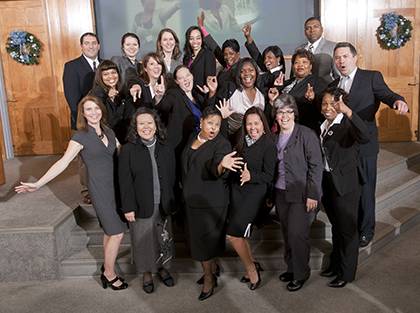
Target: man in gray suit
322	49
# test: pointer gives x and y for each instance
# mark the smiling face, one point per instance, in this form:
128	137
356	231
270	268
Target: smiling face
271	61
130	47
153	68
90	47
195	40
230	56
285	117
248	75
146	126
167	42
92	113
210	126
345	61
327	108
110	77
313	30
184	79
254	126
302	67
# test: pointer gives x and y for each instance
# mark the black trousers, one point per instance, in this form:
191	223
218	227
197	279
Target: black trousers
342	212
367	199
296	225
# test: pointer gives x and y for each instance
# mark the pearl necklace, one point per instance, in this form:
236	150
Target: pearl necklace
201	139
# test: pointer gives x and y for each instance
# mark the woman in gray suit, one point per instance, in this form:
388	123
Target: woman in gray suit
297	188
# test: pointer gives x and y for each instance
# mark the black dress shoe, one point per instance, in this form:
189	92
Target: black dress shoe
148	286
286	277
364	241
204	295
337	283
295	285
111	283
328	273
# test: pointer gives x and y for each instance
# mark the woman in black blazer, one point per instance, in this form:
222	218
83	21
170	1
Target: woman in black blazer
250	186
148	85
197	57
107	87
147	177
205	162
341	134
297	189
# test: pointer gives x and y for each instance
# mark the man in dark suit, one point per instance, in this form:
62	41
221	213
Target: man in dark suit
321	48
78	77
366	89
79	73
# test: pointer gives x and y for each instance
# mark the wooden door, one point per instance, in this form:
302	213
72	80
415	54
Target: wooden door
356	21
31	89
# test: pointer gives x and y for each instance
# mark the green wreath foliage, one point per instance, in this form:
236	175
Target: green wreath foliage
24	47
394	31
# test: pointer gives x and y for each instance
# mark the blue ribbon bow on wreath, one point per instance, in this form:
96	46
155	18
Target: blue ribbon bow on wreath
23	47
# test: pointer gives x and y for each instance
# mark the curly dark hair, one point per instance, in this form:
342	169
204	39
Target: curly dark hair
133	136
336	92
303	53
241	64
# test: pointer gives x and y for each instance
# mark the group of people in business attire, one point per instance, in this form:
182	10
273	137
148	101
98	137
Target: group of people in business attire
218	137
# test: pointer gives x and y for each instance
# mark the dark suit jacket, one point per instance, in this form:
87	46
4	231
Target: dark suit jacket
203	187
309	111
341	149
203	65
178	117
78	79
367	91
146	99
136	178
303	165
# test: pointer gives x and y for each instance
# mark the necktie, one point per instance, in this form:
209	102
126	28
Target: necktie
311	48
94	66
344	83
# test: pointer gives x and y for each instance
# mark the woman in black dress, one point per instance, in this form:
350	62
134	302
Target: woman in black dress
197	57
147	176
205	162
341	134
97	146
250	187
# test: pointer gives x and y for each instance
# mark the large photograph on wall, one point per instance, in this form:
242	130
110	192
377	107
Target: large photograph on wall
277	22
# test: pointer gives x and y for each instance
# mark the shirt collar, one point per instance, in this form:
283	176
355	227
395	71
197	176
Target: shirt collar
325	125
351	75
277	68
315	44
90	61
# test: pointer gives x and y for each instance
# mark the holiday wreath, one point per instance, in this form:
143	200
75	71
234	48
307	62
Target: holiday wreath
394	31
23	47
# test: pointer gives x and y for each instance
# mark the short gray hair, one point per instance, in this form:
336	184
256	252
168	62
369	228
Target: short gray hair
285	101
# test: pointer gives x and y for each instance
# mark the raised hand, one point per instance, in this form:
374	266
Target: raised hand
135	92
26	187
341	107
224	109
112	92
310	94
279	81
200	19
231	162
160	88
273	94
212	84
204	89
247	32
245	175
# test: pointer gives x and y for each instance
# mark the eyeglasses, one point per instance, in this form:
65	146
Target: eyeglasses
290	112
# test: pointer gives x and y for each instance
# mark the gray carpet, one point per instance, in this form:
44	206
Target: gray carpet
388	281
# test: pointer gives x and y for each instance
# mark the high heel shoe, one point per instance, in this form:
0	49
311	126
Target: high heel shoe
200	281
110	283
255	285
258	266
204	295
103	271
